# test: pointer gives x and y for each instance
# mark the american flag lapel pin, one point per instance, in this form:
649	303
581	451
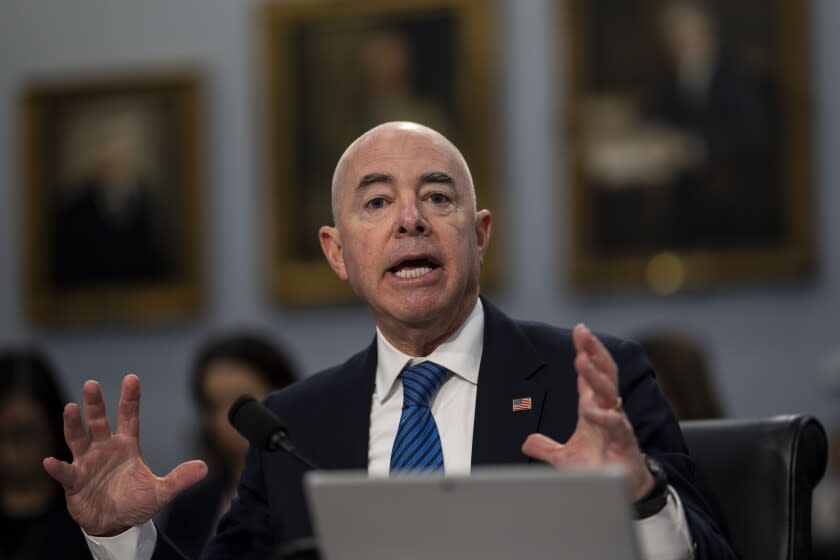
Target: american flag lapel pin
522	404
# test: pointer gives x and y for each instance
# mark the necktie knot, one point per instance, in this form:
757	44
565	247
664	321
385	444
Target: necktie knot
421	382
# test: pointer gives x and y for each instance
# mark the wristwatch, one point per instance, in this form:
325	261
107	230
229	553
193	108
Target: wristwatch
654	501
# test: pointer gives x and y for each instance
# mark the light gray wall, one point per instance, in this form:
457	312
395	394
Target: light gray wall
770	345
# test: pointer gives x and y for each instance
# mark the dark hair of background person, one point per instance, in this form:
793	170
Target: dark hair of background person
249	349
47	531
27	372
682	372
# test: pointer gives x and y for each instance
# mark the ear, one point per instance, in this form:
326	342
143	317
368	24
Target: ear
483	227
331	246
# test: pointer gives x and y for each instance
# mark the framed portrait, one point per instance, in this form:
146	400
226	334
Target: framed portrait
336	69
689	137
111	187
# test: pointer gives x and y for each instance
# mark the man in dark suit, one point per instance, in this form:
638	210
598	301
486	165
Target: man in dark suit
410	241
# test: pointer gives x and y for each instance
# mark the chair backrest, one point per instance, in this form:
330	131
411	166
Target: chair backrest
762	473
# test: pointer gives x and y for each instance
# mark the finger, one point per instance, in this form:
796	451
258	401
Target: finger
587	342
603	387
542	448
180	478
614	425
622	447
601	357
97	421
63	473
585	392
128	412
74	432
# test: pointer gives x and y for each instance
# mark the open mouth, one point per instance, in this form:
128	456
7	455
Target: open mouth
413	268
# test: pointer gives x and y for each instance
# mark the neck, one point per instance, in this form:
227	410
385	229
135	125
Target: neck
421	340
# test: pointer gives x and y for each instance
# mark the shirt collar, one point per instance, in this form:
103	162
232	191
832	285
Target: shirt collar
460	354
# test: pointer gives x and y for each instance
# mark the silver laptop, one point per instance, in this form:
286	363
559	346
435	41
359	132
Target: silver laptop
497	513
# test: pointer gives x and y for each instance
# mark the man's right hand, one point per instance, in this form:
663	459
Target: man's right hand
109	487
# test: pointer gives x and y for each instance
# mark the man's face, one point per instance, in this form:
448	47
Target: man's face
407	236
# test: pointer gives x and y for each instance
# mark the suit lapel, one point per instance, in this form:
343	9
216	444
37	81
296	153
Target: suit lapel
508	364
350	412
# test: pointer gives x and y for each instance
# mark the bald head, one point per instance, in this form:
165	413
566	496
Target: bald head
407	236
393	134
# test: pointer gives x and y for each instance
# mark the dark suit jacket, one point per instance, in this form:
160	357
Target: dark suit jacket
190	520
328	417
45	536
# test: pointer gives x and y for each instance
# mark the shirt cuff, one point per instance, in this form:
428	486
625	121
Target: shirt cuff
138	543
665	535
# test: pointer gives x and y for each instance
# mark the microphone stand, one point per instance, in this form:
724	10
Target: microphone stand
280	440
298	549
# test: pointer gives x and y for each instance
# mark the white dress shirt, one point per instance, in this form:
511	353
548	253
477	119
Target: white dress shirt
453	407
663	536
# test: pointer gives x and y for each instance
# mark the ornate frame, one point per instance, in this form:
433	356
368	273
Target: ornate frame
170	103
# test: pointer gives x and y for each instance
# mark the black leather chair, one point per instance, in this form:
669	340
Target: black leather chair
762	474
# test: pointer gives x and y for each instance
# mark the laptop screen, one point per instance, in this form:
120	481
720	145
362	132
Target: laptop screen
494	513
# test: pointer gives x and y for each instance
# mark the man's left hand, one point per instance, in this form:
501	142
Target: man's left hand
603	434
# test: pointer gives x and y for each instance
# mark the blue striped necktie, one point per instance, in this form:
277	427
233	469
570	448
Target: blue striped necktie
417	445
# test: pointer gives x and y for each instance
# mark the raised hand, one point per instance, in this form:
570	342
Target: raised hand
109	487
603	434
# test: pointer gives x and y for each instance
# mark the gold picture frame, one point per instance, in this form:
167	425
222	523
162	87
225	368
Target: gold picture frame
689	136
111	181
334	69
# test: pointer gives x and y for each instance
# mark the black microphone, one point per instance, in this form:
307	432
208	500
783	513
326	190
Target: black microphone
262	428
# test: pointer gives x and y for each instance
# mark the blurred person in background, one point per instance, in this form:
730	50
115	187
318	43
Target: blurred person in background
225	368
682	372
34	522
